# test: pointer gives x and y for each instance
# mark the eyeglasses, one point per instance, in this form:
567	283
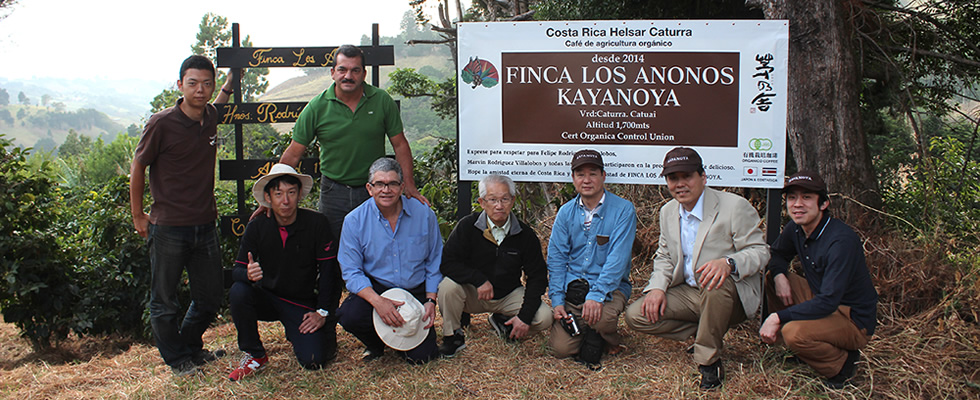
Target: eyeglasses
387	185
502	200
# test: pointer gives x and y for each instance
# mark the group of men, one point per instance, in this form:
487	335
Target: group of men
376	235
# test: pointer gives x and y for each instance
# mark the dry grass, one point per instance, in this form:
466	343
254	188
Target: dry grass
926	347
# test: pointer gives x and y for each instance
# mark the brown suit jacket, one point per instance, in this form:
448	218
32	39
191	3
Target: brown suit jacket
730	228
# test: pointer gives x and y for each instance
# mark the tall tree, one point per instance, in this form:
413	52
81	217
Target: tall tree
4	97
215	32
23	99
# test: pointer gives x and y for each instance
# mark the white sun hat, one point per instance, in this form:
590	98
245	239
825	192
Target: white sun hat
411	333
258	190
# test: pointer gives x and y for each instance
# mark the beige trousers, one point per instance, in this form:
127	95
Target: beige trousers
705	314
564	345
454	299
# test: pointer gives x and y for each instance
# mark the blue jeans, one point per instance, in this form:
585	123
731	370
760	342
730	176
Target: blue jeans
174	249
336	200
250	305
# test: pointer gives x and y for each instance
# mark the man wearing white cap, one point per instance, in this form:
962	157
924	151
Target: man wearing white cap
285	271
390	241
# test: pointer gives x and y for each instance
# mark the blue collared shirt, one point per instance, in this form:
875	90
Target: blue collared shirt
599	252
404	258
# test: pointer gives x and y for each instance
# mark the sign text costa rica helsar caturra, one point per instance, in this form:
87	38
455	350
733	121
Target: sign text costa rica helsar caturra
620	97
532	93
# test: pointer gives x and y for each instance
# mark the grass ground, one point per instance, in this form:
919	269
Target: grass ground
899	363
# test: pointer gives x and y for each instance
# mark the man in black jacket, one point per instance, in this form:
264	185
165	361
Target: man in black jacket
286	271
826	317
482	264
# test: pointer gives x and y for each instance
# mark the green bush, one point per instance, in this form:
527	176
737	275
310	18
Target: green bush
37	290
938	197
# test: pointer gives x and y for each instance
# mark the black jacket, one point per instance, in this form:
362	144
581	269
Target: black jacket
471	256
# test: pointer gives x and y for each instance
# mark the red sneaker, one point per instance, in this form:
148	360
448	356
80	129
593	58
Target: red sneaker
247	366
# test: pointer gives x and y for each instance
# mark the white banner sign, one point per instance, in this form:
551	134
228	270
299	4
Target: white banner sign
533	93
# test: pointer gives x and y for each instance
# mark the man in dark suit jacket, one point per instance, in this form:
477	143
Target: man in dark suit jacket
705	275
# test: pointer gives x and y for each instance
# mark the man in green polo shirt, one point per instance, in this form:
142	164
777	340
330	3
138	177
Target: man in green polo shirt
350	121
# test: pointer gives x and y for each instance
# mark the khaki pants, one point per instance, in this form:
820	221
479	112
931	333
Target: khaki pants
454	299
564	345
822	343
705	314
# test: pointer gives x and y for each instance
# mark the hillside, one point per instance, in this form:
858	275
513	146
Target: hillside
45	128
422	126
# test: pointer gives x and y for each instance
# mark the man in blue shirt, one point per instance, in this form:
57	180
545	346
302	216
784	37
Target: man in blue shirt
828	316
590	252
389	241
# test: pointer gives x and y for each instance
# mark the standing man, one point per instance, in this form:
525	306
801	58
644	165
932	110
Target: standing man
389	241
179	145
827	317
589	258
705	275
350	121
483	261
283	272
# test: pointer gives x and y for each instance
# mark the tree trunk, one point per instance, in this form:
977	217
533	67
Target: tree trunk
824	121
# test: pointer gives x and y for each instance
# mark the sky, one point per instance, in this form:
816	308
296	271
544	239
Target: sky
147	39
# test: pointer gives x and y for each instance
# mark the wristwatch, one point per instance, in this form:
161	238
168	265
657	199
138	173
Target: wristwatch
429	300
731	263
323	313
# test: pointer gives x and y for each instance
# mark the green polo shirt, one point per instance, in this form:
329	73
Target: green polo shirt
349	140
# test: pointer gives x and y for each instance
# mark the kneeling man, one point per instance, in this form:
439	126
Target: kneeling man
285	270
589	259
705	275
389	241
483	261
826	317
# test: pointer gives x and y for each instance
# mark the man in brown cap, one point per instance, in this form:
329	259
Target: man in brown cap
589	264
828	316
705	275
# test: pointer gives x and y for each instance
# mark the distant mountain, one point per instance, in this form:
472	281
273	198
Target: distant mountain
125	101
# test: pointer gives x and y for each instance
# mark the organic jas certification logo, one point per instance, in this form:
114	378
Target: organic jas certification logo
760	144
479	72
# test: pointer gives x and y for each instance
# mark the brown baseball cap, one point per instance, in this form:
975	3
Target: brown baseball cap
586	156
806	180
681	159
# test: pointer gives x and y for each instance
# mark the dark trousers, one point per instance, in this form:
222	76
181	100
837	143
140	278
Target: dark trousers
356	316
174	249
336	200
250	305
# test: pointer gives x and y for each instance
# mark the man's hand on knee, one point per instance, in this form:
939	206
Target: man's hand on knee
654	304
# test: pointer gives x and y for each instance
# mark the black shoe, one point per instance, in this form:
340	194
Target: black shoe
499	324
846	372
452	344
185	368
711	375
592	366
371	354
205	356
464	320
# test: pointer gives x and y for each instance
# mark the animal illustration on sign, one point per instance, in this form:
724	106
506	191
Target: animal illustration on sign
479	72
